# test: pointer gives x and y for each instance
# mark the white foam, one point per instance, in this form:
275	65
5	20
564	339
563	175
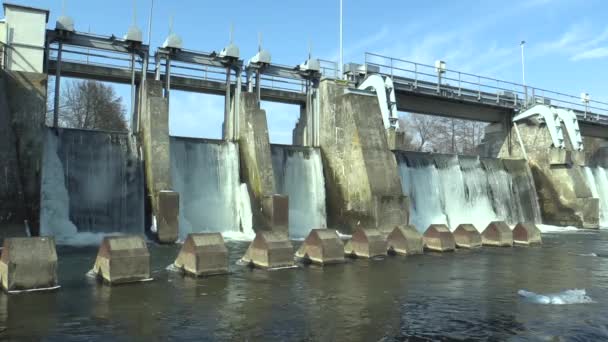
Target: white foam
239	236
575	296
546	228
35	290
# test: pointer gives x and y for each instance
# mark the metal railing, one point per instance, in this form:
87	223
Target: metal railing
467	86
329	68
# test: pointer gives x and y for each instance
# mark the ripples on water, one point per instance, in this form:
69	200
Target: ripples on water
465	295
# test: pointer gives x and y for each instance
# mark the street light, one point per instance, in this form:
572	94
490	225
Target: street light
341	66
523	71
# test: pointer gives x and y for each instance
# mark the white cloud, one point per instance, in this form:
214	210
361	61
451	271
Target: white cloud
601	52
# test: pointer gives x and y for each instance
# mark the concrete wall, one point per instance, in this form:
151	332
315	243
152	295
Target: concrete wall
26	99
363	187
256	160
25	34
564	196
154	116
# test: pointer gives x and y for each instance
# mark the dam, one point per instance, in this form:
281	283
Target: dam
346	233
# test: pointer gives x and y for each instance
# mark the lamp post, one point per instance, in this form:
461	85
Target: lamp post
523	71
341	61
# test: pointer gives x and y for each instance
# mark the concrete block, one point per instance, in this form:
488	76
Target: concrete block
405	240
123	259
366	243
526	234
559	156
270	250
168	216
438	238
497	234
203	254
322	246
28	263
467	236
277	211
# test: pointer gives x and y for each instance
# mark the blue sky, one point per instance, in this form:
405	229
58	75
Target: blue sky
566	50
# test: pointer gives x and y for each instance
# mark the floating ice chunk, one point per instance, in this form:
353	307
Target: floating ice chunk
575	296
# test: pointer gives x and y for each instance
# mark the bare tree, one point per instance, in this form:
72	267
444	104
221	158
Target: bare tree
92	105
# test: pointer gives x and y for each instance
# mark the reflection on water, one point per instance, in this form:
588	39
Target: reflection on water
466	294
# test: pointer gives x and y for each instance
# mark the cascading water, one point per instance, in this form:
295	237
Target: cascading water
92	184
212	199
299	174
597	178
452	189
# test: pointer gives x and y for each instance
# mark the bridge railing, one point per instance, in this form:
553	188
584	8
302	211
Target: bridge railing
458	84
329	68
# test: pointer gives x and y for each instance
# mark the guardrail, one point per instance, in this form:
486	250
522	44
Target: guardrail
454	83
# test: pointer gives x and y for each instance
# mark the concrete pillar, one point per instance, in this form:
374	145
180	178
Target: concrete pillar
366	243
497	234
123	259
270	250
203	254
526	234
256	162
467	236
156	151
28	264
25	113
438	238
405	240
322	246
363	186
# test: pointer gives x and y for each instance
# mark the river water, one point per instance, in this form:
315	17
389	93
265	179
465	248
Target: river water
460	295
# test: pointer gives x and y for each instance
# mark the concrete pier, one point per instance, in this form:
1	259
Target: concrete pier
404	240
366	243
438	238
467	236
203	254
322	246
363	187
122	259
526	234
154	117
28	264
270	250
497	234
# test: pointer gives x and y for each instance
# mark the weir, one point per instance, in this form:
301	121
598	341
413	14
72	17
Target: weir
298	173
597	179
454	190
206	175
92	182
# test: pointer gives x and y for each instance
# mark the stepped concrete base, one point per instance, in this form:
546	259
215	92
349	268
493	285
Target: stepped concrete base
203	254
277	207
123	259
270	250
322	246
438	238
366	243
28	263
497	234
526	234
405	240
168	216
467	236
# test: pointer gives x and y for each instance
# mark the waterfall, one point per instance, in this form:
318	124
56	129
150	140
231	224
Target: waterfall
92	185
206	175
452	189
298	174
597	178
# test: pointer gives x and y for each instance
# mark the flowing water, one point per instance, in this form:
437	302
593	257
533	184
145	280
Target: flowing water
452	190
212	198
464	295
298	173
597	178
92	184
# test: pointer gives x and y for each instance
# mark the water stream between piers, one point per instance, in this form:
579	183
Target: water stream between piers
466	294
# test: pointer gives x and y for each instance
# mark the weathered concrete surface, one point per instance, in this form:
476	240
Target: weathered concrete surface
322	246
123	259
276	211
467	236
28	263
564	196
24	111
154	125
256	160
359	168
366	243
497	234
438	238
203	254
526	234
405	240
167	219
270	250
